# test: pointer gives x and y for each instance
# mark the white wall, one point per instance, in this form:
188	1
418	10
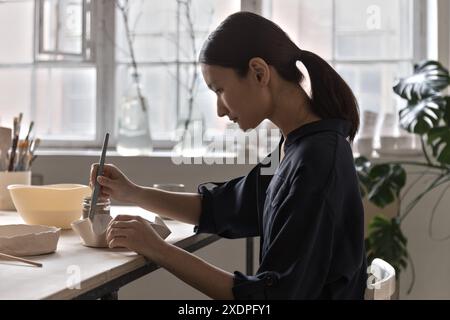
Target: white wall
431	258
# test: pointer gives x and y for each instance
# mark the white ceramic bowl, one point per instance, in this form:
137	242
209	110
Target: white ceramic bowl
25	240
51	205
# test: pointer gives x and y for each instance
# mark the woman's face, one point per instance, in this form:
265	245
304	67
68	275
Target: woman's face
243	99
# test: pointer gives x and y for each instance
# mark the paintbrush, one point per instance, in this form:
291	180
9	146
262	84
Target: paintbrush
96	190
29	131
15	141
34	144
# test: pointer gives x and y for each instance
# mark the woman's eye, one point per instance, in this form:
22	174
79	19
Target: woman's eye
218	91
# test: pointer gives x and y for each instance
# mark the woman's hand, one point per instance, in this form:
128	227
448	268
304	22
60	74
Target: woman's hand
137	234
114	184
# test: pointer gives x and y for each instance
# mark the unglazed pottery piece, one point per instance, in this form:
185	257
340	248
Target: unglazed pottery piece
28	240
93	234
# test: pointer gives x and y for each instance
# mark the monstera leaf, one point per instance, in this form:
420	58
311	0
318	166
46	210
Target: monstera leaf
386	241
447	111
387	181
362	165
428	79
419	117
439	139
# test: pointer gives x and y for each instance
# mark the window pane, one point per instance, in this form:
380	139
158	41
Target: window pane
62	22
205	101
15	96
16	31
205	16
372	86
373	29
65	103
153	25
308	23
159	87
155	40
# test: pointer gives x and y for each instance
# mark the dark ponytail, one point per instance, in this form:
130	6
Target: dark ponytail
331	96
245	35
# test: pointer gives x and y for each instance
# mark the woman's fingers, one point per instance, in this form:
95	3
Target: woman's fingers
93	174
108	171
117	233
127	224
104	181
105	195
123	221
126	217
104	189
118	242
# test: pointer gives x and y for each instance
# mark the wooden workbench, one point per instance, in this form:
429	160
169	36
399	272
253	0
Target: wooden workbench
101	271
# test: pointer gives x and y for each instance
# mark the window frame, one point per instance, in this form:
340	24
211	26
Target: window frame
103	60
418	12
86	39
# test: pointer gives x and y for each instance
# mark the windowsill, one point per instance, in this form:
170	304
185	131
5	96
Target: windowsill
96	153
376	156
158	153
165	153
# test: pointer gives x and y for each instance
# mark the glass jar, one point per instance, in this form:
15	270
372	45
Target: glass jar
134	136
103	206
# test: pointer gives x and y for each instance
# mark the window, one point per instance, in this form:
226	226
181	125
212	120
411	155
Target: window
168	36
369	42
53	83
64	30
67	65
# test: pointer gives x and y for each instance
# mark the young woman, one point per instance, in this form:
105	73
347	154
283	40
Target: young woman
308	214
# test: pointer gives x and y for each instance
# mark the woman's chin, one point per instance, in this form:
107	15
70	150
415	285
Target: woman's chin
245	126
242	126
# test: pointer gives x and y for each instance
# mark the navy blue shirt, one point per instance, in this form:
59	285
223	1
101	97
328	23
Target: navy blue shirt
308	214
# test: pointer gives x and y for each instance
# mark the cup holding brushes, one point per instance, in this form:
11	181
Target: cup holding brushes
21	153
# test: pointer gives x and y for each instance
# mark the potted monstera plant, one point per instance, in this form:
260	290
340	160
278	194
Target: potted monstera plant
426	114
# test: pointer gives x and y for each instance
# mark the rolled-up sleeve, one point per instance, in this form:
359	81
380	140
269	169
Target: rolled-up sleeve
229	209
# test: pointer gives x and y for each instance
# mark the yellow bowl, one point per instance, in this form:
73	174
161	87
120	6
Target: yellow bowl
52	205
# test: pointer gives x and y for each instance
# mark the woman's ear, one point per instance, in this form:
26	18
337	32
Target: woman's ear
260	70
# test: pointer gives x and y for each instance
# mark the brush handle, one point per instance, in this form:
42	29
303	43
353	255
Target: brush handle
7	256
96	191
12	158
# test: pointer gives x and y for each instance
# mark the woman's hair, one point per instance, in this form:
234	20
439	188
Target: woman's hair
245	35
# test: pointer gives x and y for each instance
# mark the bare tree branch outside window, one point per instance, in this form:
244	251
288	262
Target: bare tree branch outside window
124	10
191	53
